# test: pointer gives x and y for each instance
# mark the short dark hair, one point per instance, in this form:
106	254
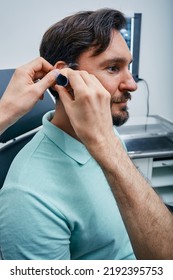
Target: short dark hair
67	39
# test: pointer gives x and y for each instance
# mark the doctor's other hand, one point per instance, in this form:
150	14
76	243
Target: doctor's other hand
25	88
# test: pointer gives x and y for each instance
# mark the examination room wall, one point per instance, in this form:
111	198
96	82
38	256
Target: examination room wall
22	24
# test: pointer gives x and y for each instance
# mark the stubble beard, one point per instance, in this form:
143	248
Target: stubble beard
121	117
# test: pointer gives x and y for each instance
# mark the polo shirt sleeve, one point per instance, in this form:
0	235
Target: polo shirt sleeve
25	211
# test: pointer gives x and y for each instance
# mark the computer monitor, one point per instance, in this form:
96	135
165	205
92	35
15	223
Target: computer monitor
132	35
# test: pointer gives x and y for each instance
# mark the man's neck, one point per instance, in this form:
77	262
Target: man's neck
61	120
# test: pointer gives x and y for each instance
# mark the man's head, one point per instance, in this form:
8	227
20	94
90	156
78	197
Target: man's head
92	39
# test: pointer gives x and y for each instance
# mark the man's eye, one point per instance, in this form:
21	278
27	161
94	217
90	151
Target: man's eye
113	69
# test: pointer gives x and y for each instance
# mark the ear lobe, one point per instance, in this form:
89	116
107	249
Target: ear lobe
60	64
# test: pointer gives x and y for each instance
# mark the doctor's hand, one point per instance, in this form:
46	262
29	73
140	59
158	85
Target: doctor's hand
23	92
89	109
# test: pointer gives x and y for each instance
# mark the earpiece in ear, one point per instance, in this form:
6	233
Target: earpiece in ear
62	80
73	66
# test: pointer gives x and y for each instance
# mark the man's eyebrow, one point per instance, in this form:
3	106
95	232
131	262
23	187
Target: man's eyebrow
115	60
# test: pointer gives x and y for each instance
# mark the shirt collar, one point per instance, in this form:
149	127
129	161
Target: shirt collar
69	145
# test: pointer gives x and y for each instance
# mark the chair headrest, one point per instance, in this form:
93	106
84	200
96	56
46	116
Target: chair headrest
31	120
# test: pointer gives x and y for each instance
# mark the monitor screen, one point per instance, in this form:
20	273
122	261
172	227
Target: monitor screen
132	34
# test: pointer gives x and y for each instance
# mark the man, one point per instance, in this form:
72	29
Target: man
63	207
147	220
22	93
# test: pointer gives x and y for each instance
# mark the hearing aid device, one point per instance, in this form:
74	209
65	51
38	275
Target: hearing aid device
62	80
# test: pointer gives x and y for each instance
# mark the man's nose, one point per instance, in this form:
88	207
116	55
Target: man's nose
128	83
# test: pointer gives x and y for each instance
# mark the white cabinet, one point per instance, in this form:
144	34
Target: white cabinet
162	172
159	172
144	165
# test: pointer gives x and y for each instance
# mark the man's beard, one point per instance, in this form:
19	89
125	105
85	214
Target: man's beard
122	116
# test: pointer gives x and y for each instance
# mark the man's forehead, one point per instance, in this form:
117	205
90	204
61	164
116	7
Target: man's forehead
117	44
117	51
112	55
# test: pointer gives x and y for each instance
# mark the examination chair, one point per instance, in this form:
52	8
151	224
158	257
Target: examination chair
20	133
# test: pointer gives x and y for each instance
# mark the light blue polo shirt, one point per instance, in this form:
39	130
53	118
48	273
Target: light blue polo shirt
56	204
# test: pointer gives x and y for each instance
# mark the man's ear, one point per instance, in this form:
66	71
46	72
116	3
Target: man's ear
60	64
